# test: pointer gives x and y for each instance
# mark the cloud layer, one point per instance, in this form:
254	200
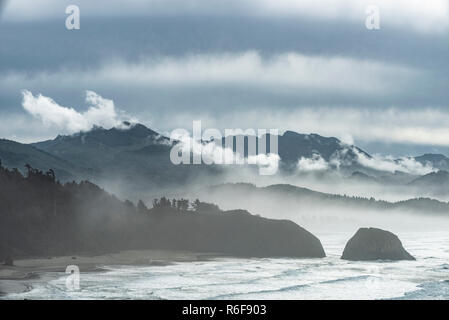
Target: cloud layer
242	90
282	73
289	74
423	16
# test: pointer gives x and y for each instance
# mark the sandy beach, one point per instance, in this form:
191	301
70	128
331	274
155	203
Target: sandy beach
25	272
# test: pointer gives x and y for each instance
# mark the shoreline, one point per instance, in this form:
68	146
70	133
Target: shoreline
25	273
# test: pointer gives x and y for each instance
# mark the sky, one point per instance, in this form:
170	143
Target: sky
306	66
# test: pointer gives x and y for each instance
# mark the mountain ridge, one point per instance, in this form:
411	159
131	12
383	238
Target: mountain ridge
138	158
297	194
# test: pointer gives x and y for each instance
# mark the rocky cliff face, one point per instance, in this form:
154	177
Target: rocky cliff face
375	244
235	233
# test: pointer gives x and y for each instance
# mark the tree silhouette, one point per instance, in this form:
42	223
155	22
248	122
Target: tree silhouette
141	207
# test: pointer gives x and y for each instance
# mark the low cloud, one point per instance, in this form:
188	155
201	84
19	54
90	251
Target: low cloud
100	112
212	152
316	163
376	162
389	164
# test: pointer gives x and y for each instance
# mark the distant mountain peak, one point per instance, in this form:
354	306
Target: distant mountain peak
435	180
96	127
87	144
125	128
438	161
433	156
294	146
135	129
311	136
290	133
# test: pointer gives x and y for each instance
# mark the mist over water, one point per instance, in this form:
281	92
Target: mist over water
308	209
317	217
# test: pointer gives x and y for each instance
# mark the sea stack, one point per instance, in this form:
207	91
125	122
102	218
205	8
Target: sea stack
375	244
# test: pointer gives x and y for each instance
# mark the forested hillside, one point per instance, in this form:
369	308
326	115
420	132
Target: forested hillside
40	216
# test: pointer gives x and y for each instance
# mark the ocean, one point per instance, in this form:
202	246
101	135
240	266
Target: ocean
283	278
